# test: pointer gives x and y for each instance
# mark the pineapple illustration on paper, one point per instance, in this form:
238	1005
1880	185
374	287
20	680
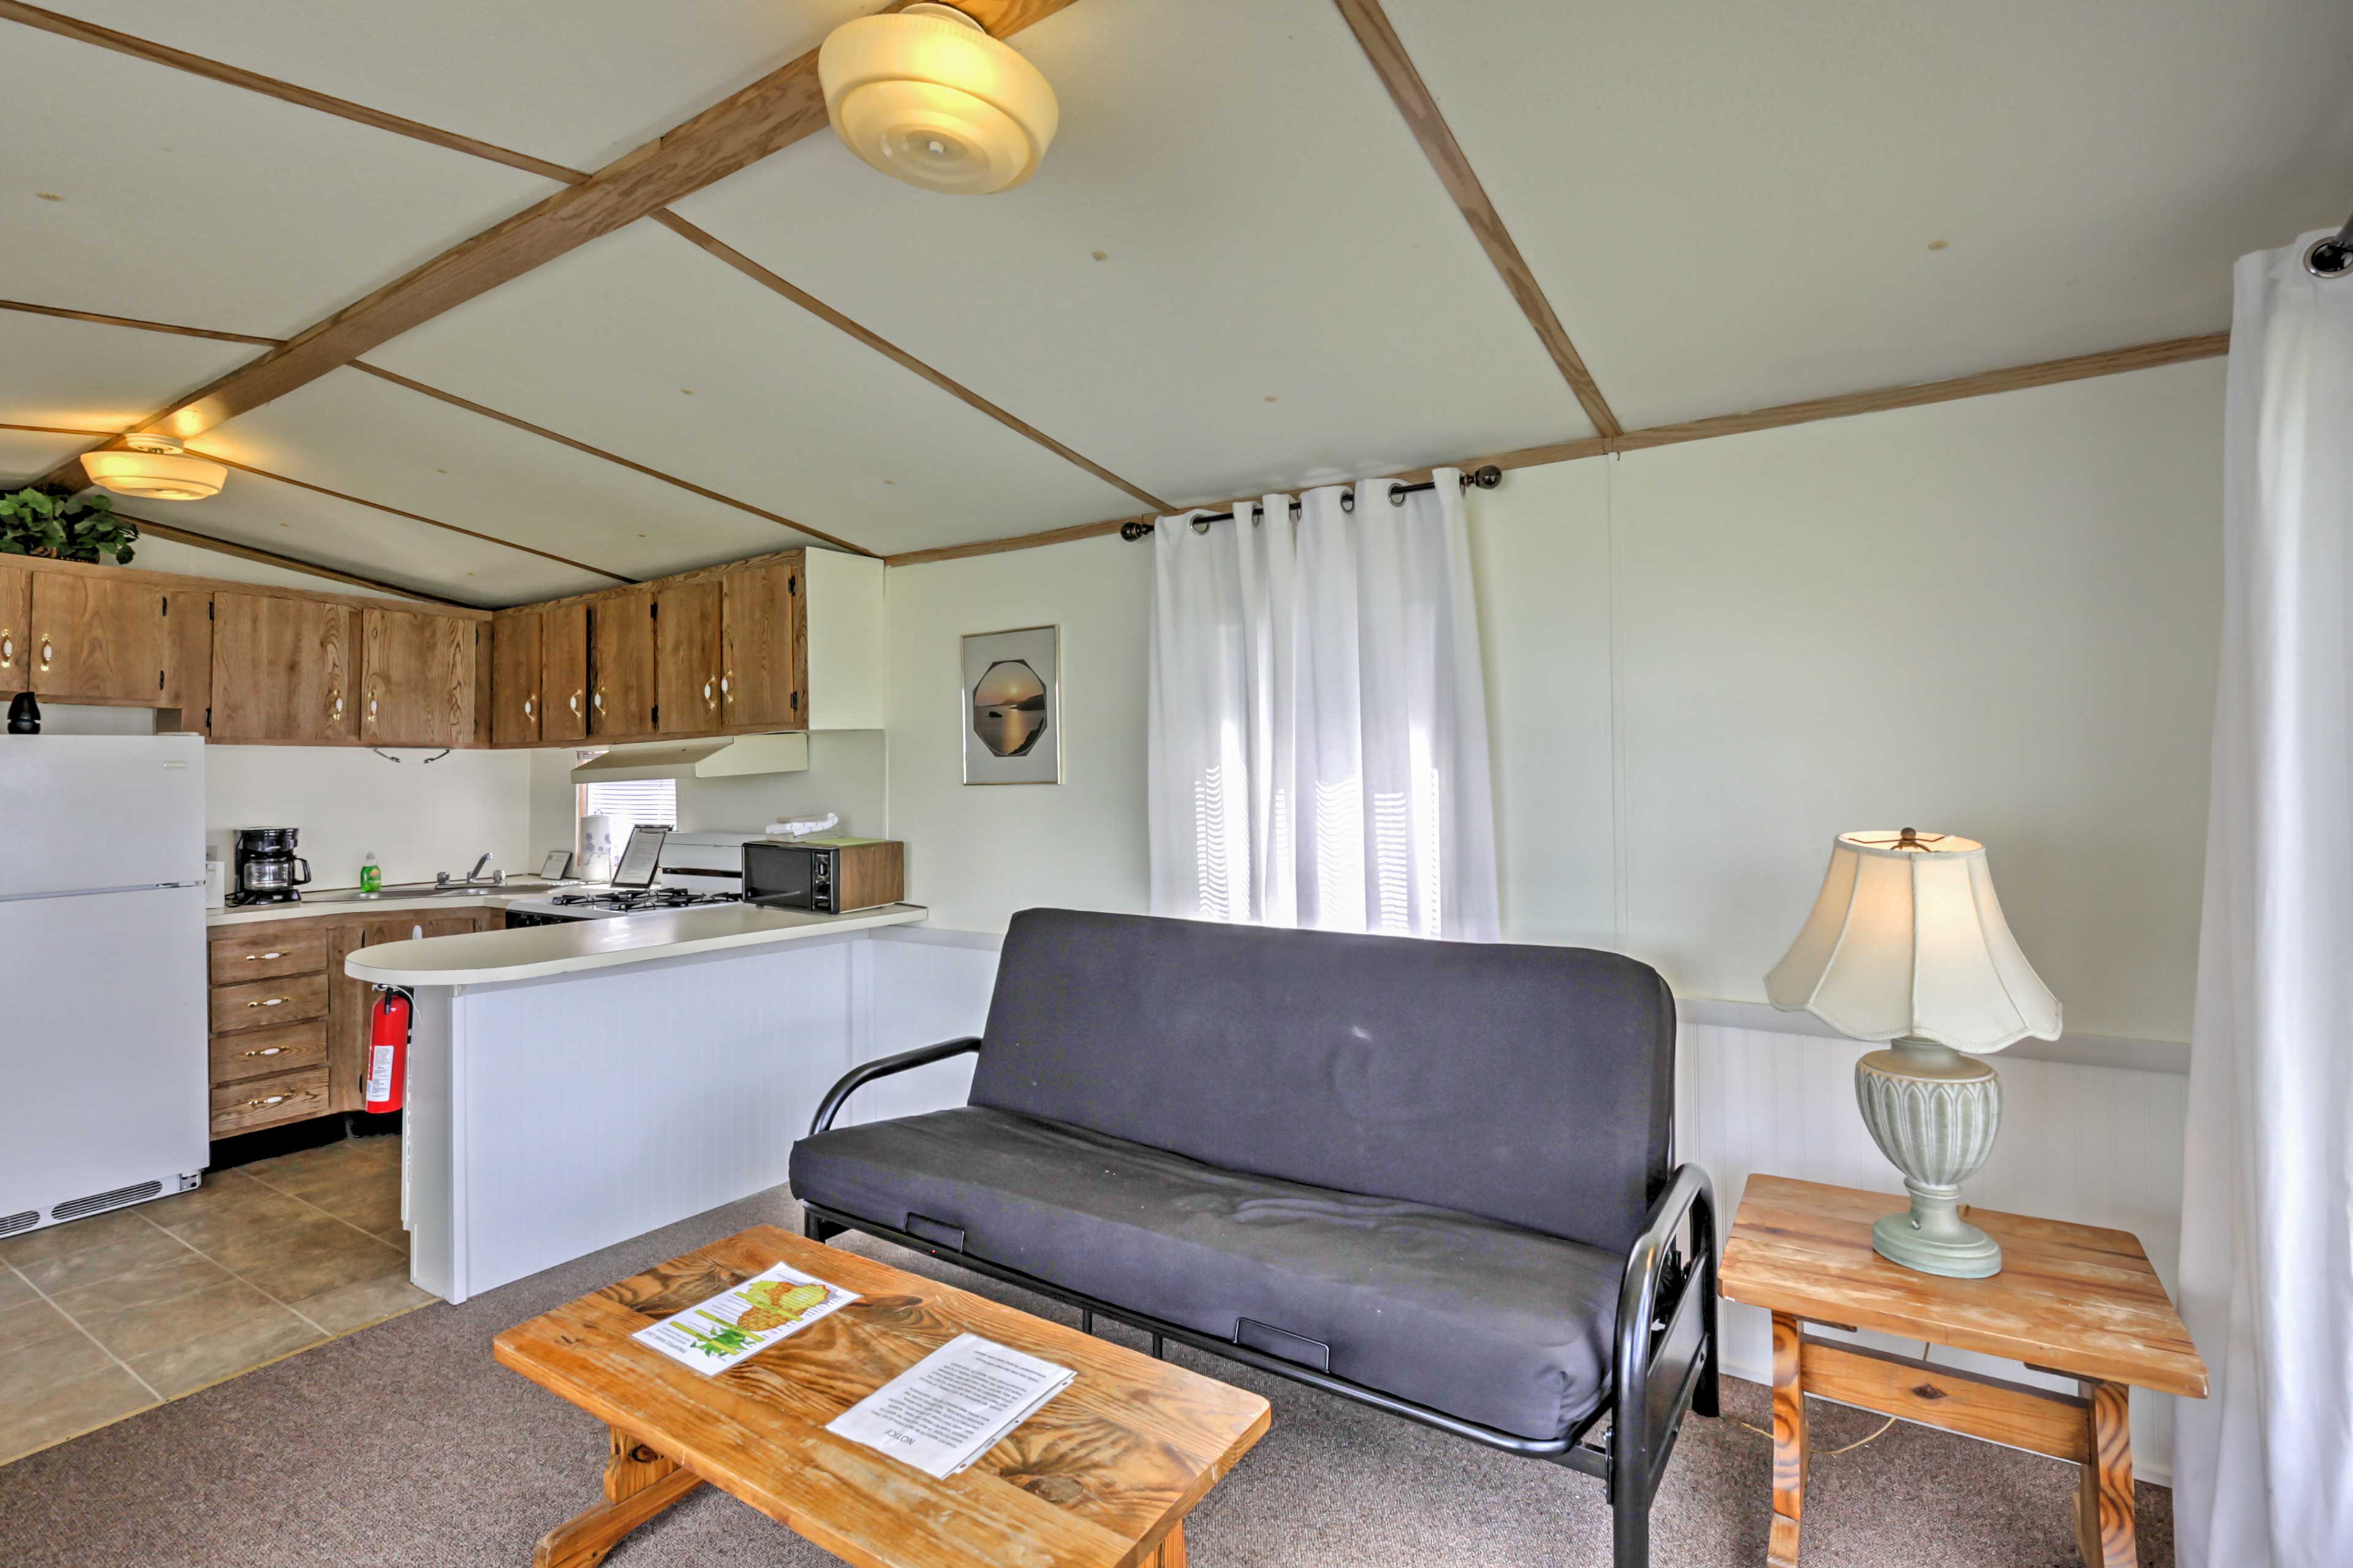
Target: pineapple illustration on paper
775	1303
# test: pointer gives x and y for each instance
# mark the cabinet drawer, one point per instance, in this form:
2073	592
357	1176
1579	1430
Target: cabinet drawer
267	1102
265	1003
235	962
257	1053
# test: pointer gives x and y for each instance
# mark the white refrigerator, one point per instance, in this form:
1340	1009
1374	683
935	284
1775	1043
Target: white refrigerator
103	1075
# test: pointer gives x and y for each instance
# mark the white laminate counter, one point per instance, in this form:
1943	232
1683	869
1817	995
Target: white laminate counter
535	952
342	904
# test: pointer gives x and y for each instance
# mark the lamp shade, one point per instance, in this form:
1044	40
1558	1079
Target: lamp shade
154	468
927	97
1907	940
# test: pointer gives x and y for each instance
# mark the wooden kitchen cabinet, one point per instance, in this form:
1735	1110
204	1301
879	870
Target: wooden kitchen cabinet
563	673
687	698
15	621
351	1002
98	639
763	643
188	655
417	680
621	664
284	669
515	691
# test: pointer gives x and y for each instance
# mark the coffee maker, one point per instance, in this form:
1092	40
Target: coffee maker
267	869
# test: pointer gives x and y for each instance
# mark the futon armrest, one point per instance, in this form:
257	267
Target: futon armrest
883	1067
1666	1353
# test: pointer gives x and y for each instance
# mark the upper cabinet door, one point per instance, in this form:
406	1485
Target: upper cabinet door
188	654
419	686
15	620
516	699
761	667
98	640
283	670
686	662
621	664
563	672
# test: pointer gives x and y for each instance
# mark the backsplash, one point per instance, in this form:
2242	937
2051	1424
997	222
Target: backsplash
415	817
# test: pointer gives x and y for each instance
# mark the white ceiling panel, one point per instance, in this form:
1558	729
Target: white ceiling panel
137	190
26	455
97	377
364	436
1286	290
289	521
577	82
1734	206
644	345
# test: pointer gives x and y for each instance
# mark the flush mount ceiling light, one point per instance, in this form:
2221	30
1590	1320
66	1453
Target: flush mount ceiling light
154	468
927	96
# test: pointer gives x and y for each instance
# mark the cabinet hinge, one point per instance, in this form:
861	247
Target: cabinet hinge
792	585
654	611
162	604
797	701
159	680
208	616
657	712
208	718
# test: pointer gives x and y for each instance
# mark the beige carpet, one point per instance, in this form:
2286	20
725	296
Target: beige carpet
405	1444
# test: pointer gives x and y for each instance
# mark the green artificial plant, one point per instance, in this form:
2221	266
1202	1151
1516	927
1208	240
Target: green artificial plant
53	524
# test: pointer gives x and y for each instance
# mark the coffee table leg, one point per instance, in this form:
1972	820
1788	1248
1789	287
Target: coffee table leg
1790	1440
638	1485
1170	1553
2104	1492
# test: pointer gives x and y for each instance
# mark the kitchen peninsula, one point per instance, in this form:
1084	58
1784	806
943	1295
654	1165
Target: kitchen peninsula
572	1085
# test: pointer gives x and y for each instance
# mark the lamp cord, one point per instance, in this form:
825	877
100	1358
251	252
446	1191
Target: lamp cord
1877	1433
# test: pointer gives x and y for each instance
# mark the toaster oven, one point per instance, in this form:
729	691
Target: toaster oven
824	875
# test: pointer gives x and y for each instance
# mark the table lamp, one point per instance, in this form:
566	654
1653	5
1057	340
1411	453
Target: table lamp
1906	945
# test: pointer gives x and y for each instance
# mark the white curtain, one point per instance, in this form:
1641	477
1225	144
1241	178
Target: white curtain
2263	1469
1318	723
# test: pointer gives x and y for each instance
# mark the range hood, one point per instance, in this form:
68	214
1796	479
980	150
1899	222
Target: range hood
726	757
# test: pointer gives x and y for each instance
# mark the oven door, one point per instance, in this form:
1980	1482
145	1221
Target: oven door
780	876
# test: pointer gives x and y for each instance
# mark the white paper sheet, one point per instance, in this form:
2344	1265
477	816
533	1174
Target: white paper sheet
954	1405
711	1336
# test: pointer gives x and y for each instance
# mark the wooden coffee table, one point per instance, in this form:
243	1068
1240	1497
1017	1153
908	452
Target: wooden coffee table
2073	1300
1100	1477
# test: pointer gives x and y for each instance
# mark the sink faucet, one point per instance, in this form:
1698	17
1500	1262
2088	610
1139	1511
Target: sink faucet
473	878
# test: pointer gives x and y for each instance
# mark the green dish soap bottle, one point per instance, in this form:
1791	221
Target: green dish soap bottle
371	876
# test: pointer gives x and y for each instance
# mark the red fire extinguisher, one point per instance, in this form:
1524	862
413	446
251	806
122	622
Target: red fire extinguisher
387	1048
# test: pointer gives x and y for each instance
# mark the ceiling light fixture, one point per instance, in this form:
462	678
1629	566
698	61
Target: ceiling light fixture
154	468
927	96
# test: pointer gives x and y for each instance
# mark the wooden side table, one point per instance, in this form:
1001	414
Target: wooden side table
2073	1300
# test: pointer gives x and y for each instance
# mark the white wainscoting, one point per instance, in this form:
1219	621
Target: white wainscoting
2099	1144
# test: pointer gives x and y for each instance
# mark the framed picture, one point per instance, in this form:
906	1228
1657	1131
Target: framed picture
1012	707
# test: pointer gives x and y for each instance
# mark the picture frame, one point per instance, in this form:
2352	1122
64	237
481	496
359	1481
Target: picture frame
1009	707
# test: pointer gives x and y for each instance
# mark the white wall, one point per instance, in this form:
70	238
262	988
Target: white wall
415	817
1995	617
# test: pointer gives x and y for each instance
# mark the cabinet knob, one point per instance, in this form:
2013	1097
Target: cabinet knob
726	683
48	653
709	699
371	710
8	648
575	702
600	700
335	705
529	705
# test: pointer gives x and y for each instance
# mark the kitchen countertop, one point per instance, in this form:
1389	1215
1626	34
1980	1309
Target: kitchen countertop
345	901
533	952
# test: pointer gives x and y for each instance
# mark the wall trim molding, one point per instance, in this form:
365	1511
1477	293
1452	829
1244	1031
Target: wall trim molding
2071	1047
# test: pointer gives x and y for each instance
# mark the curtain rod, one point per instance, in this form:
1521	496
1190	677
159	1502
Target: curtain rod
1486	478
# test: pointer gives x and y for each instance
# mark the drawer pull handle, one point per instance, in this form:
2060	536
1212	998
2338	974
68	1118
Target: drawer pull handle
7	647
575	702
273	1100
530	706
258	957
270	1002
48	653
266	1051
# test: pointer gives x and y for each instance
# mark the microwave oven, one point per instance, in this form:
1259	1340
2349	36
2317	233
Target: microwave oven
825	876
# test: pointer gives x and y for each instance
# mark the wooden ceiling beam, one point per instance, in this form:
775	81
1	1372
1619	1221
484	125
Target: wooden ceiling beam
2015	378
780	108
254	81
1412	96
101	319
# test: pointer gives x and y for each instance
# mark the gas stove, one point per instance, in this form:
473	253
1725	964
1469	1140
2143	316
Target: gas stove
698	870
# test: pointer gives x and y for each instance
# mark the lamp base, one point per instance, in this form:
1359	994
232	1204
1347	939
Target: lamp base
1935	1113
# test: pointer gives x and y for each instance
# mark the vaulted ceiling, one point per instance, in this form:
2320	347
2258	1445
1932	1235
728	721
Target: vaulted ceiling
1276	241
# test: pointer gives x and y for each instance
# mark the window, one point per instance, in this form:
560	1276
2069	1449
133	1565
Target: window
631	803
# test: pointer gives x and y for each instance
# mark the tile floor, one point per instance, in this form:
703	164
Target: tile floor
105	1316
